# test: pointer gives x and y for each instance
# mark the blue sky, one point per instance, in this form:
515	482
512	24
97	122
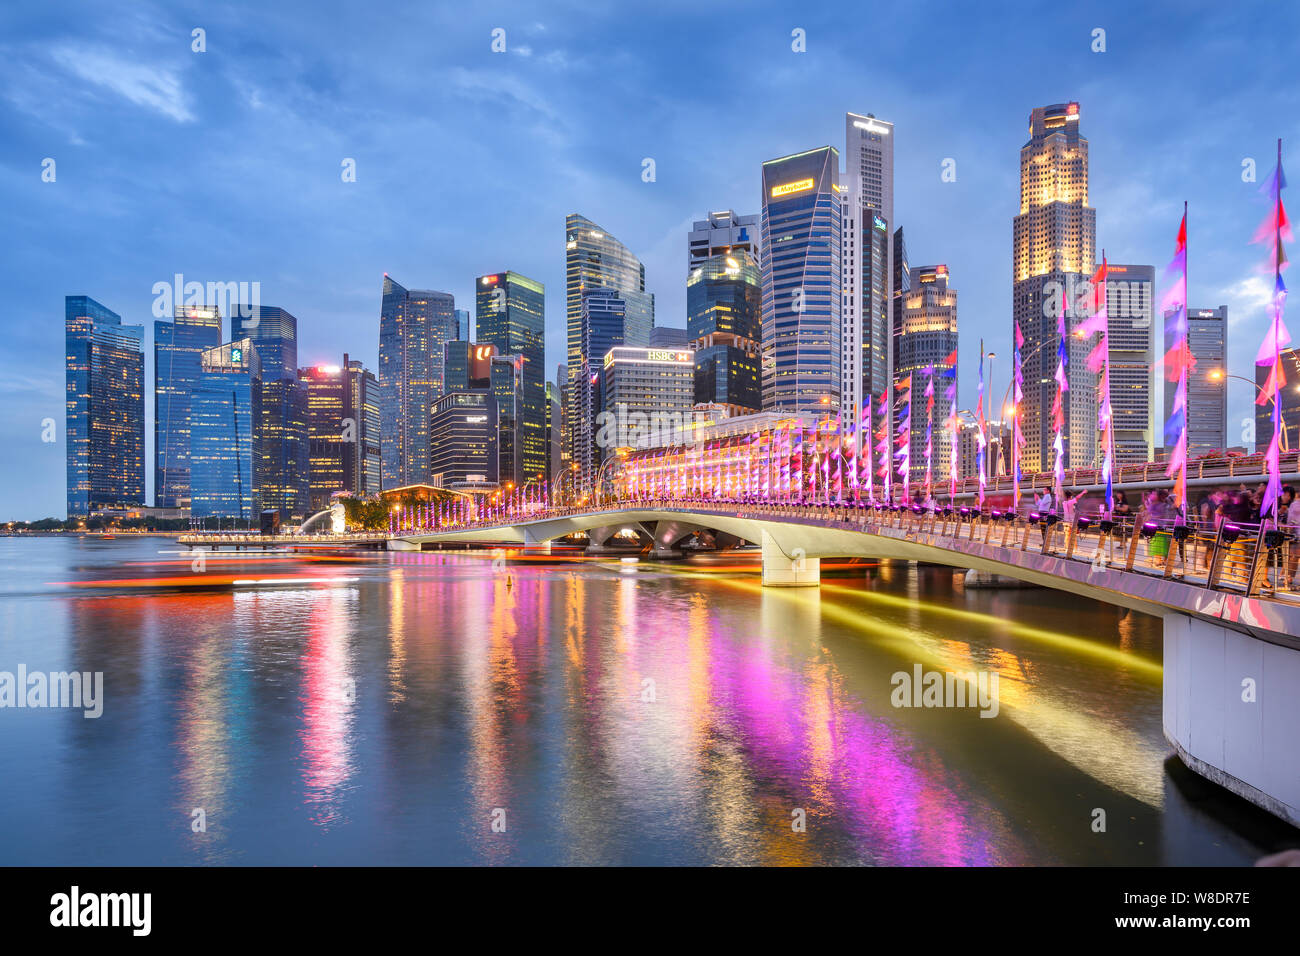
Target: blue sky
225	165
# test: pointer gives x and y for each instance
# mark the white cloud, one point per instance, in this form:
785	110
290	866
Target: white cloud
1247	299
153	87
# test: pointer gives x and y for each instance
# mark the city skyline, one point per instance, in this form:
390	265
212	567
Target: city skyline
1135	192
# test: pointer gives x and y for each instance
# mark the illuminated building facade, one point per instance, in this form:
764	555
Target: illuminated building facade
724	325
342	431
178	347
463	437
596	262
281	461
644	390
554	431
927	336
1053	253
801	222
867	263
222	414
511	315
104	365
274	333
769	456
414	327
1207	385
607	320
508	387
1130	319
720	233
1289	395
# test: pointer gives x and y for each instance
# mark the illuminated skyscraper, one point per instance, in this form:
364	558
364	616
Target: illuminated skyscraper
1053	254
274	333
105	407
222	413
1130	304
597	262
801	283
868	261
342	430
720	233
1207	385
414	327
928	336
724	325
281	466
553	431
511	315
178	347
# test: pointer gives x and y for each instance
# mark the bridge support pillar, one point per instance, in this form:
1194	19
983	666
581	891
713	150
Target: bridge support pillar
790	568
1230	711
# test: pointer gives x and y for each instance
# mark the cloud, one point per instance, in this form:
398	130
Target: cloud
1247	299
153	87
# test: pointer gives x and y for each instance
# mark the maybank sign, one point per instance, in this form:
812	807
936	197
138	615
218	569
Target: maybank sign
798	186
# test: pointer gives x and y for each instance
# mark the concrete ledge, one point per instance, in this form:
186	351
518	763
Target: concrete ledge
1228	782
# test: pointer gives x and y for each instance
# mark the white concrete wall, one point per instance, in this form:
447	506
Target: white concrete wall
1249	747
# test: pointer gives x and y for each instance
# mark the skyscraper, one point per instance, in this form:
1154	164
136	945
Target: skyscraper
463	442
553	432
1207	384
597	262
464	329
724	325
647	392
511	315
281	466
928	336
178	348
105	407
222	413
274	333
1053	250
1130	305
723	232
801	283
868	361
507	376
342	430
668	337
414	327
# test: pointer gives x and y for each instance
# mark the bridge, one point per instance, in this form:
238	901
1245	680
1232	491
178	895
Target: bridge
1231	616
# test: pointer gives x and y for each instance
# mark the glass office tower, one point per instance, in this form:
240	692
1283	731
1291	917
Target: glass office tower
274	334
607	320
511	315
724	325
104	362
178	347
222	412
595	260
281	464
801	283
414	328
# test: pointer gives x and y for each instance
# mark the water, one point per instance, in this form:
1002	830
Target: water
389	708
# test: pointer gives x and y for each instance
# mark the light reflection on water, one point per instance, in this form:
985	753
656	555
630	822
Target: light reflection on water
596	713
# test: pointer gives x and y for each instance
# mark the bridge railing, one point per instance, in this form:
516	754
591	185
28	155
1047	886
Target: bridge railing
1247	558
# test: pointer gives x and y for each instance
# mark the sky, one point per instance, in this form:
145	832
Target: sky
226	165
